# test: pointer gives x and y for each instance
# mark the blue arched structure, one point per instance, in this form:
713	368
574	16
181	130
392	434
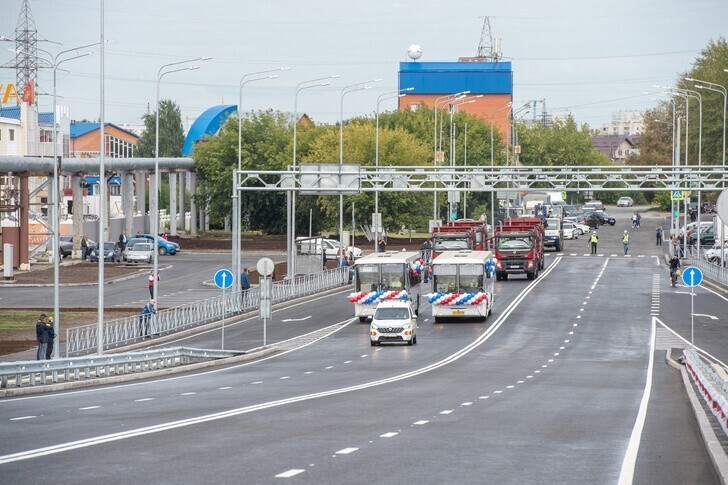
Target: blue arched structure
207	124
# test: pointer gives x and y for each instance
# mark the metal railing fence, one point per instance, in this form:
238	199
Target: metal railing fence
717	272
711	385
31	373
131	329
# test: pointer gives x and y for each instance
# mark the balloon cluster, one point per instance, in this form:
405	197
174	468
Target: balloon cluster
417	266
490	265
369	297
457	298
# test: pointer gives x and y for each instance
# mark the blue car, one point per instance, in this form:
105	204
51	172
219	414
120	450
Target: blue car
164	246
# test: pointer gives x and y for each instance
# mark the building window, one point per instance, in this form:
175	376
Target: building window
114	189
11	135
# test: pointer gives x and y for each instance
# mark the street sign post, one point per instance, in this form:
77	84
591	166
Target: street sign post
265	268
223	280
692	277
676	195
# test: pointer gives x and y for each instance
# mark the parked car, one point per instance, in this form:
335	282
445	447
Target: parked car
331	246
707	237
139	252
606	217
594	205
718	255
164	246
708	208
569	230
625	202
112	253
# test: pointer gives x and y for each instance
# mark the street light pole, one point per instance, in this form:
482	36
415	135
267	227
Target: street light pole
291	196
154	201
102	194
237	202
492	163
456	102
438	101
344	91
392	94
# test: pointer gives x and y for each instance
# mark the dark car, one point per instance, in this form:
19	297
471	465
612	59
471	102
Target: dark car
707	237
592	219
112	253
606	218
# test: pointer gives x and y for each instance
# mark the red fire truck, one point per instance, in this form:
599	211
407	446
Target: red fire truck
519	247
460	234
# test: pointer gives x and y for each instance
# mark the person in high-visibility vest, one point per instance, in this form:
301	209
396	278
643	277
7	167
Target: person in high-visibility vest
625	241
594	239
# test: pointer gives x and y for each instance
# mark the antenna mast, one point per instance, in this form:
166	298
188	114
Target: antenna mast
489	47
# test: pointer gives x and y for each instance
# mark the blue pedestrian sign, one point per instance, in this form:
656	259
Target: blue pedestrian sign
223	279
692	276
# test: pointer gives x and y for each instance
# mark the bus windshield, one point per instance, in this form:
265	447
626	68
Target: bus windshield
393	277
367	277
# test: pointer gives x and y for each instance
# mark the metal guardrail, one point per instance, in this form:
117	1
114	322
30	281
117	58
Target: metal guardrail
711	385
127	330
31	373
715	272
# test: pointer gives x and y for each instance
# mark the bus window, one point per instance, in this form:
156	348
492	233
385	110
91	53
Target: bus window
393	276
471	278
367	278
444	277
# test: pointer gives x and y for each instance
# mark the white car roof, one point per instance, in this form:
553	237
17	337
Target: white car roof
395	304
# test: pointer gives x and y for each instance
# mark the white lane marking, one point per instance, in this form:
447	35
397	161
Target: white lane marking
537	372
627	255
85	443
257	382
613	255
388	435
497	392
640	255
447	411
581	309
329	367
22	418
571	333
551	360
88	407
426	319
226	387
683	292
421	422
705	315
626	475
144	399
285	320
584	303
529	377
572	254
308	372
587	254
566	341
556	354
378	350
600	254
347	362
520	382
544	366
591	292
483	397
577	317
364	355
346	451
467	403
687	342
188	393
562	348
284	377
510	387
290	473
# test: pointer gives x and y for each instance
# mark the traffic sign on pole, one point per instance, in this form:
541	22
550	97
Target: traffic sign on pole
223	279
676	195
692	276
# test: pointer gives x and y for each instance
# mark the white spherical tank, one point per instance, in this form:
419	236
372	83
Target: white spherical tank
414	52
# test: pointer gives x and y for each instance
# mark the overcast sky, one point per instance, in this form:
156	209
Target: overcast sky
591	57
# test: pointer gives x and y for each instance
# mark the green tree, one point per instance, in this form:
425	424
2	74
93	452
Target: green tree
561	143
171	133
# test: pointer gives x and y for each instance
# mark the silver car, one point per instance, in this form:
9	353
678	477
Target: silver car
140	253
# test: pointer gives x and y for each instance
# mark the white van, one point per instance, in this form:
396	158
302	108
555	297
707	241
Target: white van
393	321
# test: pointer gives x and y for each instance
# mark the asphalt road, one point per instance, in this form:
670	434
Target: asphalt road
181	283
548	389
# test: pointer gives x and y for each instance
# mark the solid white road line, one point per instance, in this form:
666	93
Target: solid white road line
188	393
290	473
144	399
705	315
626	475
346	451
88	407
223	388
84	443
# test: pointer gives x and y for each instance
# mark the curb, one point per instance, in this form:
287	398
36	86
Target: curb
715	450
137	274
64	386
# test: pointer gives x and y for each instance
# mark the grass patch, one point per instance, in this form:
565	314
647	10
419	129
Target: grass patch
24	319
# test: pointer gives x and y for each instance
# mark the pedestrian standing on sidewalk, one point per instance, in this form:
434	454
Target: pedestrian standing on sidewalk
638	219
245	280
152	281
51	338
382	244
658	235
84	248
41	335
625	241
144	315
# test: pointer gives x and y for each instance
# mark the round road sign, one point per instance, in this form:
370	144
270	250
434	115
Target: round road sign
265	266
692	276
721	206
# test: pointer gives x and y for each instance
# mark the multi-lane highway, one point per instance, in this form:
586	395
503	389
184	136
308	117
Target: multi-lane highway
566	382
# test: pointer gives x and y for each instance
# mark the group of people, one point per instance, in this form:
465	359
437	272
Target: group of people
45	335
594	240
636	220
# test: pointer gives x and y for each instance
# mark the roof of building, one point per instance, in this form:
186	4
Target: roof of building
607	144
80	129
207	124
454	77
13	112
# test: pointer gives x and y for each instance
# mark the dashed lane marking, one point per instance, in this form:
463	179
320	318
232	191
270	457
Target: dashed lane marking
346	451
144	399
388	435
447	411
290	473
226	387
421	422
88	407
22	418
188	393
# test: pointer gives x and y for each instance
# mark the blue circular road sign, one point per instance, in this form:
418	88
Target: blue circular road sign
692	276
224	279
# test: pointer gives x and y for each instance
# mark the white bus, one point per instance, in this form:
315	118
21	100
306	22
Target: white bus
384	276
462	284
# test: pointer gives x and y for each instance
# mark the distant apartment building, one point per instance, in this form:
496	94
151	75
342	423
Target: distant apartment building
624	123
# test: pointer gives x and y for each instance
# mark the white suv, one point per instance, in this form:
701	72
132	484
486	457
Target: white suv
394	321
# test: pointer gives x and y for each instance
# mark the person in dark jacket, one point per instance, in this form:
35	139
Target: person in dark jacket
144	315
41	335
122	240
382	244
244	280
